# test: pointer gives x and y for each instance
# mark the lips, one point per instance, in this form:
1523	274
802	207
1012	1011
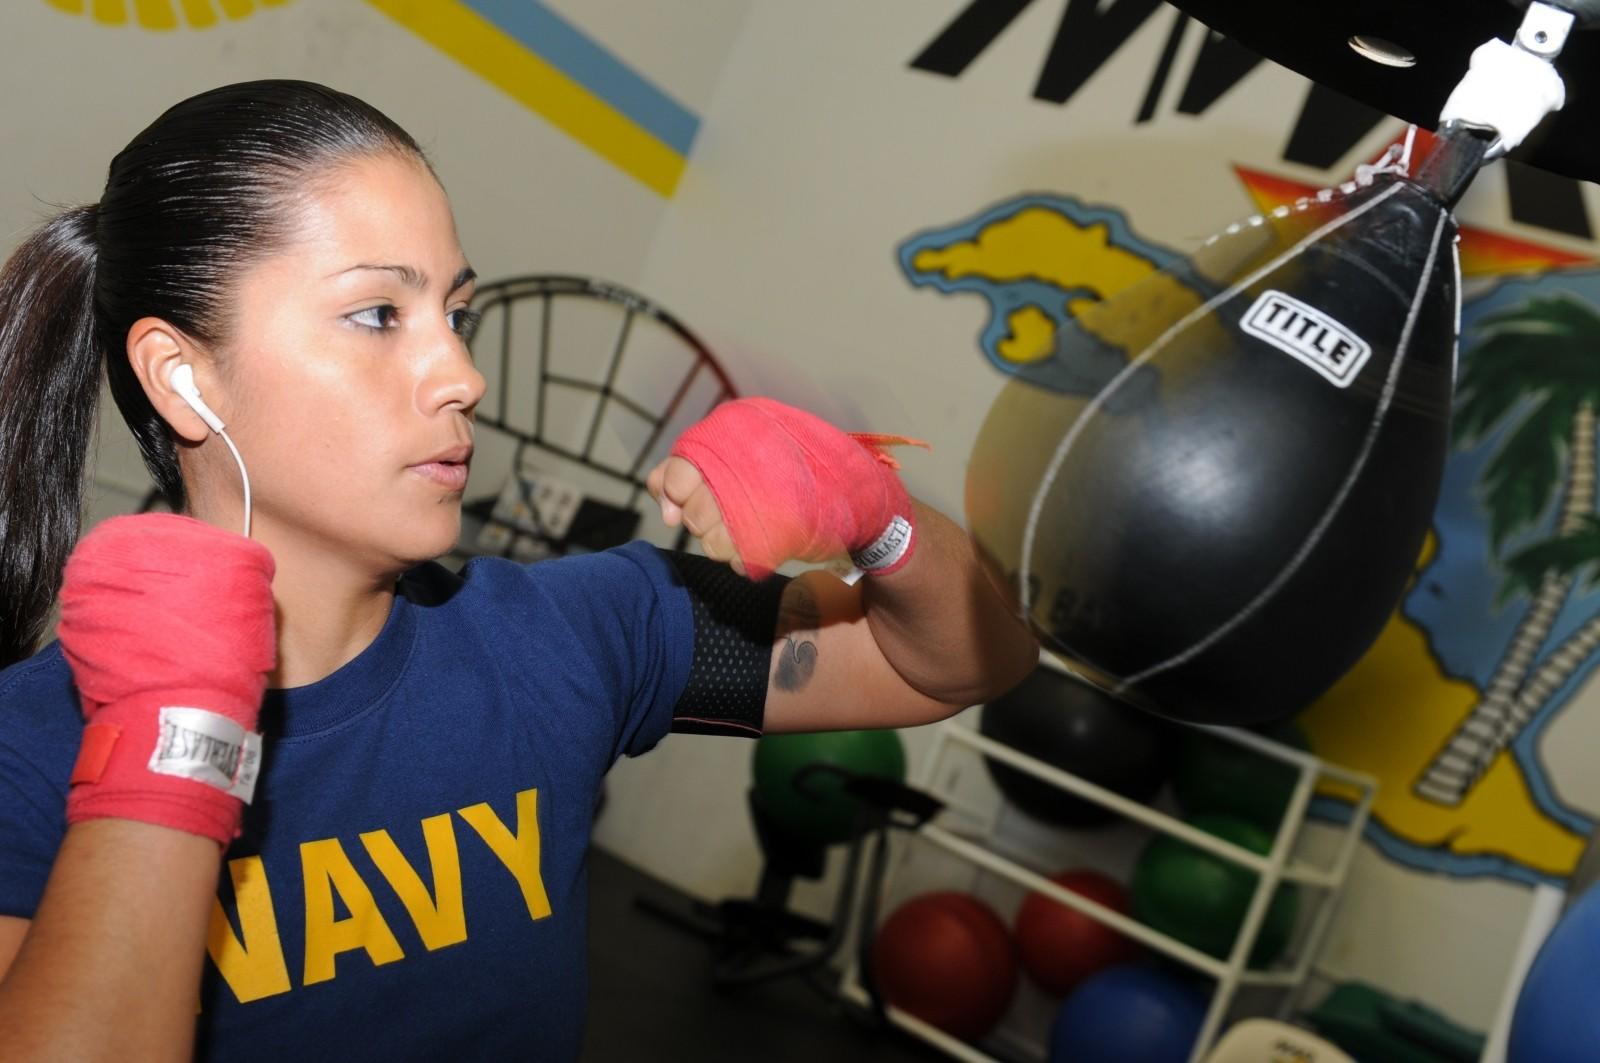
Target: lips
448	468
459	454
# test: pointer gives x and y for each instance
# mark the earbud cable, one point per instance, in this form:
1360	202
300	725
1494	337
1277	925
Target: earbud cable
245	476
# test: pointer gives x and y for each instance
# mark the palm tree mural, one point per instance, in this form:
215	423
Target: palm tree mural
1536	370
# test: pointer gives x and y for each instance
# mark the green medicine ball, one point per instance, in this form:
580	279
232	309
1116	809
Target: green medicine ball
1216	775
824	814
1201	899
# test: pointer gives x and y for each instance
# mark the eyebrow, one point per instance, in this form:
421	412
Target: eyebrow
415	278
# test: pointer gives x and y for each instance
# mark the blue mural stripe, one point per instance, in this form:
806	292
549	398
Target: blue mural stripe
568	49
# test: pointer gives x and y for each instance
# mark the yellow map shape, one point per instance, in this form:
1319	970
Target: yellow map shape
1031	334
1390	715
1395	709
1037	243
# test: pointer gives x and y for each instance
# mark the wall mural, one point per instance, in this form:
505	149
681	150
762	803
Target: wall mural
521	47
526	50
1497	637
162	15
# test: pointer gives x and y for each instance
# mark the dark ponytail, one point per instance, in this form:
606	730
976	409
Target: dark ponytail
207	190
49	387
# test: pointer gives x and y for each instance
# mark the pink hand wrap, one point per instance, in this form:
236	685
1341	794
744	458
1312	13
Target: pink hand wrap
792	486
168	625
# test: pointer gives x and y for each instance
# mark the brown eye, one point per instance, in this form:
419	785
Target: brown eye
376	318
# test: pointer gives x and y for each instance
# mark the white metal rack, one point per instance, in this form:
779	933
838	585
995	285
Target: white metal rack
985	850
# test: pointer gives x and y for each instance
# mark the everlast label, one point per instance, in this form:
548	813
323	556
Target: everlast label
1310	335
207	747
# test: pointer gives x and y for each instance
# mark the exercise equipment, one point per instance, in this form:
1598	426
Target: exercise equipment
1556	1019
1128	1014
1201	899
791	486
947	764
821	810
1216	775
169	628
1378	1028
758	939
1079	729
946	958
1059	946
1212	493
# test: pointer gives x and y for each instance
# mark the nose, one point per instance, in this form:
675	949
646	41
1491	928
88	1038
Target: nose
452	380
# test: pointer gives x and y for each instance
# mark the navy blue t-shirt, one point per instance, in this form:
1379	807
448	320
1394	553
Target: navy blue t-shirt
410	883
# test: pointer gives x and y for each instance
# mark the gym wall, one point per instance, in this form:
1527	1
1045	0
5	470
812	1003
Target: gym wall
883	206
880	213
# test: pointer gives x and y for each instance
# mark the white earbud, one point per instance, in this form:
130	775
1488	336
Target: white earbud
182	381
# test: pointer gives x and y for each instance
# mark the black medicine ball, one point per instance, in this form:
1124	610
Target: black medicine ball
1079	729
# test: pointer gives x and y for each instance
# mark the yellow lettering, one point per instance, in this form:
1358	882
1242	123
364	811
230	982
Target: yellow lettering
519	852
440	918
326	868
252	962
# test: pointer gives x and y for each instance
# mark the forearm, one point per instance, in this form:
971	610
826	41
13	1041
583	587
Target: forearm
110	968
940	623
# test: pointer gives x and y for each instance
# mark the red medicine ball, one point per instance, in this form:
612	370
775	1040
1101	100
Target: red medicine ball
1060	946
946	958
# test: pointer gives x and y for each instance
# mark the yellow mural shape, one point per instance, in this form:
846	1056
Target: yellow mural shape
1030	337
1389	716
1394	711
163	15
1041	244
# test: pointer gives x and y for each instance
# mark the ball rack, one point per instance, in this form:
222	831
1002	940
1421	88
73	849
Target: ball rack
987	852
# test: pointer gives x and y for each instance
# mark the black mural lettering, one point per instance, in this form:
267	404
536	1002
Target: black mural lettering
1330	124
967	35
1086	39
1329	127
1158	77
1221	64
1547	200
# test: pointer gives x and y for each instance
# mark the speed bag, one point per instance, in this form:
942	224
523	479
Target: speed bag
1211	493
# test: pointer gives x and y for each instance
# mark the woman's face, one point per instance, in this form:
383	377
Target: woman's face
350	388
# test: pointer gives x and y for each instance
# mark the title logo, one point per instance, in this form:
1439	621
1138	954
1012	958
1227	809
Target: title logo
1309	335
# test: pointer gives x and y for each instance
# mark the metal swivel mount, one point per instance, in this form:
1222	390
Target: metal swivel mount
1510	86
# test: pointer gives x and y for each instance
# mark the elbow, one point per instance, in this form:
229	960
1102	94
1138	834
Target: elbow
1002	664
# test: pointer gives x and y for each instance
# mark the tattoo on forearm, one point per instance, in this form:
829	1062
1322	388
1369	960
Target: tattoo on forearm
799	619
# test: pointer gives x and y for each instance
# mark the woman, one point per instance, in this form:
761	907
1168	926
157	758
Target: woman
407	879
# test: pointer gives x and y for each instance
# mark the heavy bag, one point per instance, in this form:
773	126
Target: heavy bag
1213	492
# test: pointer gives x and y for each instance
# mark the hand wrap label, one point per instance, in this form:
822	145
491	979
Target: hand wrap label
203	746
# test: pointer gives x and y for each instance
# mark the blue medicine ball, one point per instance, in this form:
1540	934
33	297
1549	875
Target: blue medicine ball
1557	1020
1128	1014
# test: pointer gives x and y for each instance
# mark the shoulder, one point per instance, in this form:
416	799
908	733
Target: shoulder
622	575
41	723
36	694
598	605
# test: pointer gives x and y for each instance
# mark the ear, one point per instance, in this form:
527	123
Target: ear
155	349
